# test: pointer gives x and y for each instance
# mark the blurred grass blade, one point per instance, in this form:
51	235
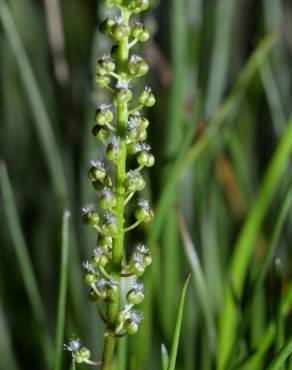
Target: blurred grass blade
168	193
232	102
281	357
220	54
199	280
8	359
245	243
42	120
24	261
60	326
257	283
173	353
164	357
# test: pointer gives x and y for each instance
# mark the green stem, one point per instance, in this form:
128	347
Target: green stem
120	174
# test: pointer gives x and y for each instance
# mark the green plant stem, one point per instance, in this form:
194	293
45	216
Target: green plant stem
120	174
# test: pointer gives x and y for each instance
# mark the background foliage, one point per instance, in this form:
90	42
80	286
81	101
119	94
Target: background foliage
221	188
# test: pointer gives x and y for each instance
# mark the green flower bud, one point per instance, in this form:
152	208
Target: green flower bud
124	314
102	80
137	266
90	274
134	182
120	30
142	135
105	65
106	26
132	324
90	216
138	6
103	115
101	287
143	212
113	149
147	98
107	199
137	66
110	225
99	257
146	159
97	171
123	94
104	240
140	32
100	132
144	253
81	355
138	148
136	294
111	3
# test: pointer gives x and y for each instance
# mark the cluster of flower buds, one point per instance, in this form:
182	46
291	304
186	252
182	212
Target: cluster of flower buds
122	128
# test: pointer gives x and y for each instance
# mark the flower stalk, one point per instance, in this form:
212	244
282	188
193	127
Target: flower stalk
122	127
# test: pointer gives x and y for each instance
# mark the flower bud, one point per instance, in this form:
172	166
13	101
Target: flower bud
100	132
147	98
137	266
120	30
105	65
132	324
136	294
146	159
123	94
143	212
90	216
124	314
138	148
113	149
101	287
134	182
104	240
81	355
145	254
111	3
99	257
138	6
140	32
137	66
90	274
106	26
107	199
103	115
131	327
102	81
110	225
97	171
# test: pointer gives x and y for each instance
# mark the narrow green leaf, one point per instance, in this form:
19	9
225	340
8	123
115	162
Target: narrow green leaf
42	120
281	356
62	292
199	280
245	243
24	261
173	353
164	357
7	355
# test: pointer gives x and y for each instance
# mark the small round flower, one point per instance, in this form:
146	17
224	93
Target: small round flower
122	94
147	97
132	324
143	212
145	253
137	266
89	215
105	65
138	6
100	132
134	182
79	353
104	240
104	115
113	149
101	287
97	171
140	32
137	66
90	273
136	294
106	26
107	199
120	30
102	80
110	224
99	257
